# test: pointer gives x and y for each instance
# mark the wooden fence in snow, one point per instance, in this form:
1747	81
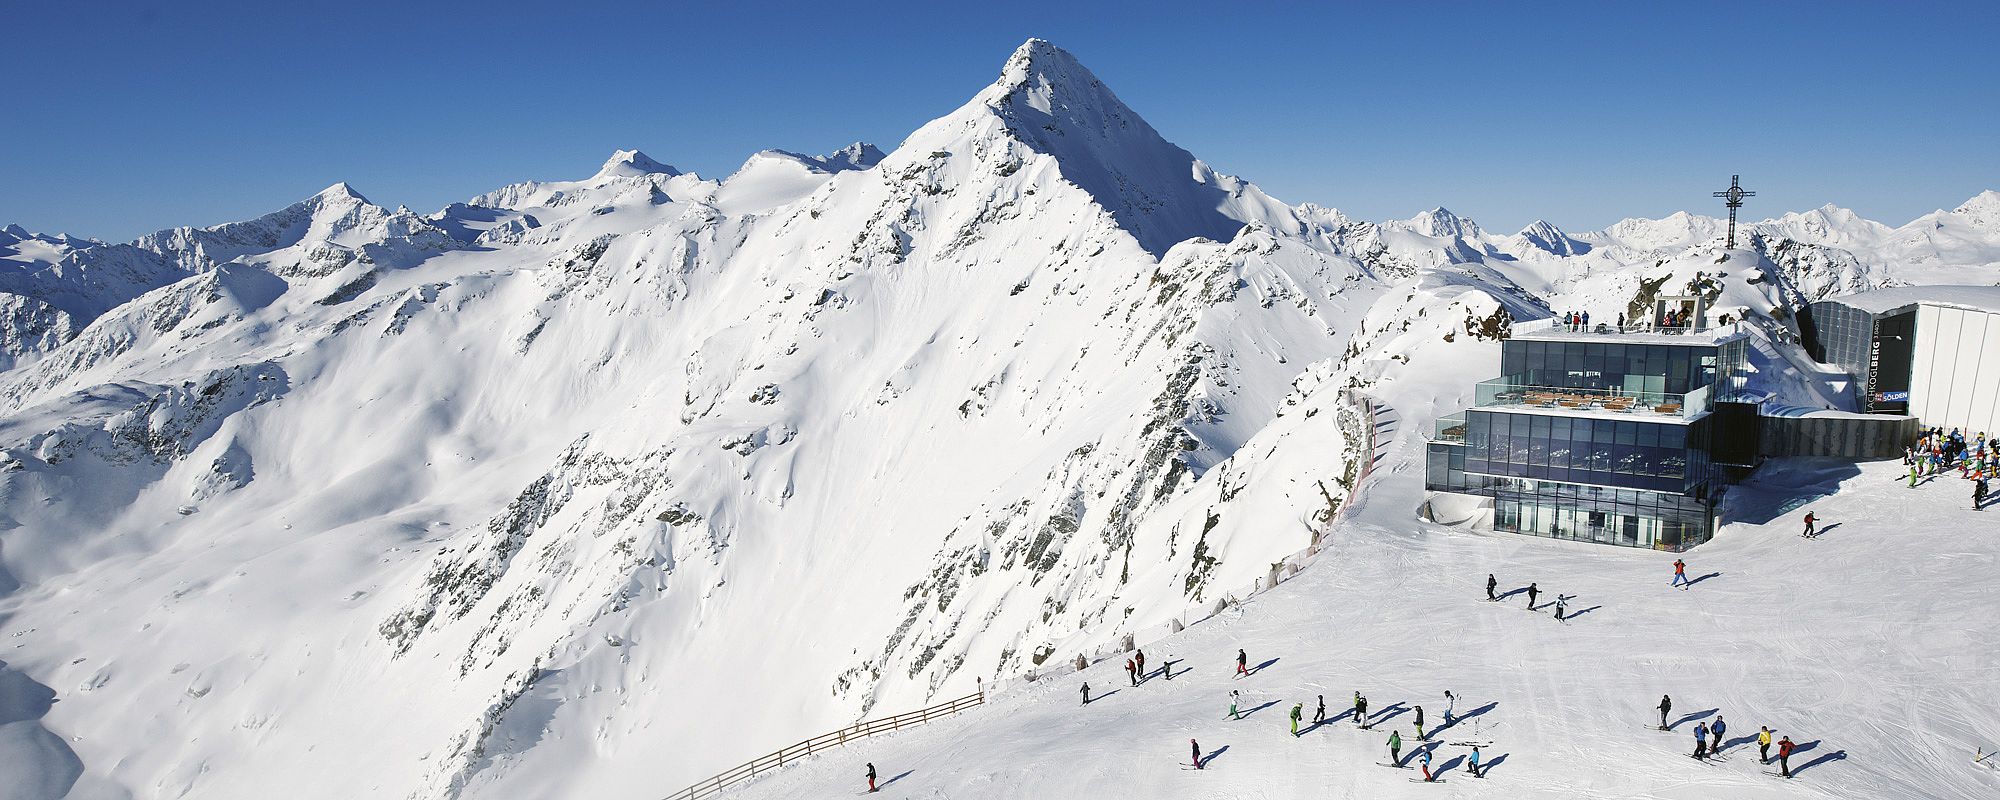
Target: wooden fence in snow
710	787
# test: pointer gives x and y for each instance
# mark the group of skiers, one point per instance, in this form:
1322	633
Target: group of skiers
1708	736
1534	592
1708	739
1575	321
1938	450
1135	668
1359	714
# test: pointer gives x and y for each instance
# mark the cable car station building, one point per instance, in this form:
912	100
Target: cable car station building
1604	435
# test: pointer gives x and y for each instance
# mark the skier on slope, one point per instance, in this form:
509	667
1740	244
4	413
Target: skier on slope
1395	748
1235	697
1420	723
1360	709
1700	740
1086	693
1298	710
1319	715
1785	747
871	777
1140	658
1532	591
1715	734
1680	575
1424	758
1472	763
1979	494
1490	583
1131	672
1197	752
1242	664
1764	744
1666	705
1562	602
1448	702
1809	525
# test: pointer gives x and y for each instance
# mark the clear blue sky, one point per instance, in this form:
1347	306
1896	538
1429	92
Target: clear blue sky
122	118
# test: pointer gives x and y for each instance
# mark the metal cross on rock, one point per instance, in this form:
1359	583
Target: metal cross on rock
1733	198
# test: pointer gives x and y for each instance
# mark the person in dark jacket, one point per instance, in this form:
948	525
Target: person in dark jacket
1666	705
1490	583
1785	747
1197	752
871	777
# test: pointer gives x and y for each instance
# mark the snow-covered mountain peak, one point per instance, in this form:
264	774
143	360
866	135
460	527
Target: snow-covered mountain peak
1047	105
631	164
1982	211
1545	236
860	155
340	193
1986	201
1440	222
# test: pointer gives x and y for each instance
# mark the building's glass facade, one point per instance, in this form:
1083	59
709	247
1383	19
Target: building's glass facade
1874	348
1587	466
1660	456
1610	365
1604	514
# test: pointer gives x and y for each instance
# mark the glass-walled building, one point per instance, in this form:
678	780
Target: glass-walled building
1602	437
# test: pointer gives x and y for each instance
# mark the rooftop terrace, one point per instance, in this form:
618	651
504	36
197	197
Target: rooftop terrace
1632	333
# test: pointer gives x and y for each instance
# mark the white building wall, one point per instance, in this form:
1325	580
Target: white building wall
1923	354
1987	399
1955	369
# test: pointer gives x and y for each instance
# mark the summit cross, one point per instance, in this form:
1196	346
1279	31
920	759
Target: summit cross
1733	197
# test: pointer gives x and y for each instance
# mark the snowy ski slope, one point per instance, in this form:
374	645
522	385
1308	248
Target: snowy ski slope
1872	647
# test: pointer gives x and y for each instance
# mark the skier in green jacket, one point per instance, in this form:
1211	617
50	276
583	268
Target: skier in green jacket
1395	748
1298	710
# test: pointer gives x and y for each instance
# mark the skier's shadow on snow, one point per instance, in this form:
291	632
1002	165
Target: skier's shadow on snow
1704	577
1458	718
1685	718
1575	614
1213	755
1819	533
1260	667
1387	712
885	784
1737	741
1448	765
1255	709
1837	755
1488	768
1102	696
1510	593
